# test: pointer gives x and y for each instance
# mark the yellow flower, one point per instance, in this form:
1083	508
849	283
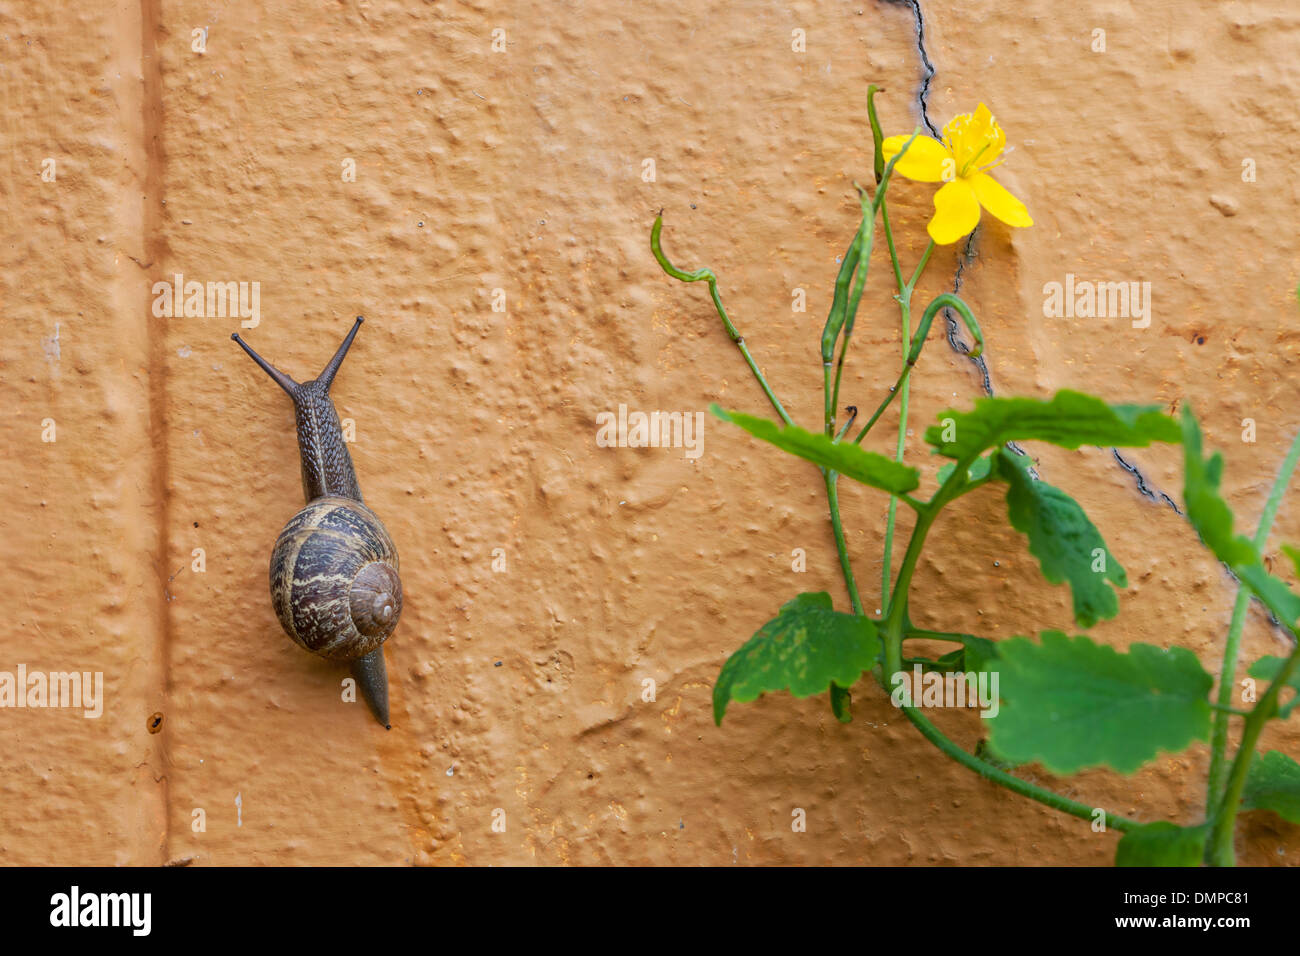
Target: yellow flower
972	143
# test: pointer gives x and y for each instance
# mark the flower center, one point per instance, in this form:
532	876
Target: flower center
975	141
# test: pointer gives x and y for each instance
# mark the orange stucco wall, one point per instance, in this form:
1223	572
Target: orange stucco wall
520	689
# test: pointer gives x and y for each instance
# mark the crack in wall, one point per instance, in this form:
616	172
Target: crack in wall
967	256
1142	484
923	94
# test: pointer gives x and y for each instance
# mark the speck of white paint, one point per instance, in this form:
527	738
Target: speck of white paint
183	351
51	345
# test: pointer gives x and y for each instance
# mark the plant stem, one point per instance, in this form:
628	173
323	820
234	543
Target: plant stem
1013	783
905	311
744	350
707	275
841	546
925	258
1232	648
1227	683
896	613
947	300
920	634
1233	711
897	607
895	628
889	242
1219	850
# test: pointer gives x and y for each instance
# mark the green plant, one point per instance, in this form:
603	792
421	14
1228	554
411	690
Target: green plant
1067	703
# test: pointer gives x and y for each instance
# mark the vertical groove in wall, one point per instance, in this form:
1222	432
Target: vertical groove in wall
155	248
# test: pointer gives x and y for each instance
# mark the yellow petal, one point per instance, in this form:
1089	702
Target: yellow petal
924	160
956	212
993	197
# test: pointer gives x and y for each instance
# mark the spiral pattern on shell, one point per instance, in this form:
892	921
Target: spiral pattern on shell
334	579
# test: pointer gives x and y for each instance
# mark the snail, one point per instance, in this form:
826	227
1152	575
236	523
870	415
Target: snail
334	581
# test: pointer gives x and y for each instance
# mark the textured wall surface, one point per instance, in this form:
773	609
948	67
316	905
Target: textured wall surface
521	689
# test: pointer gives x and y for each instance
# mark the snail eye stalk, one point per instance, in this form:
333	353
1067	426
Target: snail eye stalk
326	377
284	381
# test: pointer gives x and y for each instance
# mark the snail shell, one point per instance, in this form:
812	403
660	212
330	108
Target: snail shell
334	579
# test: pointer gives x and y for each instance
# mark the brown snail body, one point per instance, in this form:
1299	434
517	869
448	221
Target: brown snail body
334	569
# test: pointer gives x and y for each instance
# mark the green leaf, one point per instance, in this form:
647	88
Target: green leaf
1273	783
981	655
1068	545
976	472
976	654
1210	515
841	704
1275	594
1069	419
844	457
1162	844
989	755
803	649
1070	703
1267	668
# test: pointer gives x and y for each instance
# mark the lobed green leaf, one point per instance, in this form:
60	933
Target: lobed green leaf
1208	513
1267	668
976	654
1070	703
1273	783
1068	546
1162	844
1213	520
804	649
1069	419
978	471
846	458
